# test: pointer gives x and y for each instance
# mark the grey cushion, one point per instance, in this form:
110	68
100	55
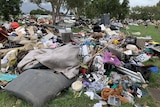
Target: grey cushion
37	86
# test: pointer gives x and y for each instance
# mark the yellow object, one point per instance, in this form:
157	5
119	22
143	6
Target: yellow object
153	42
76	94
116	42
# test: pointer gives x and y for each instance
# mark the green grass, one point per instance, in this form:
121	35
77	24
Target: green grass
146	100
8	100
154	80
149	31
65	99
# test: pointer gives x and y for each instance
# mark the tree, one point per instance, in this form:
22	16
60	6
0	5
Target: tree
10	7
55	4
90	11
135	13
94	8
157	10
89	8
76	6
38	12
145	13
114	7
58	4
124	9
158	4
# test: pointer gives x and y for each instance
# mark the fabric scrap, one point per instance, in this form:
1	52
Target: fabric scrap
8	77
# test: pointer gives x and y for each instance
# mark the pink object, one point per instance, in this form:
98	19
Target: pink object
110	58
54	45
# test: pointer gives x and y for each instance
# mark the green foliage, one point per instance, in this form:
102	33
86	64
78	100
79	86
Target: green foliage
158	4
145	13
10	7
75	3
38	12
90	9
76	6
38	1
124	9
114	7
55	4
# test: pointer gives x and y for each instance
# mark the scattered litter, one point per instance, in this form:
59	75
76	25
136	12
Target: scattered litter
100	59
136	33
113	100
143	57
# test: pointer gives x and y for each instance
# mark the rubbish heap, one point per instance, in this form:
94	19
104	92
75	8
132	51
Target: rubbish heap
40	60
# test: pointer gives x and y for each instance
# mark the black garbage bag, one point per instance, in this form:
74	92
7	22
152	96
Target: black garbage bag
144	70
96	28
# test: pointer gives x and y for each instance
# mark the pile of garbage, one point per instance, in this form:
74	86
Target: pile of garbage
107	63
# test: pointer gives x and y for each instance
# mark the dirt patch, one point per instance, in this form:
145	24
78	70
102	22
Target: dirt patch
155	93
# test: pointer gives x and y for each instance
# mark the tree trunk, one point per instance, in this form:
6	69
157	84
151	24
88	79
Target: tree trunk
58	8
53	13
55	10
53	17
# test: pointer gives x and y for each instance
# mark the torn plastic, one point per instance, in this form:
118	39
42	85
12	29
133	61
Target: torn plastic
113	100
92	95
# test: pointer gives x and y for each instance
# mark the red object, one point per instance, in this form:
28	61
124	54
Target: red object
14	25
83	71
2	33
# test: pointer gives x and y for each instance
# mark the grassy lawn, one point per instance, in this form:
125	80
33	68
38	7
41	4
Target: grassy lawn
66	98
149	31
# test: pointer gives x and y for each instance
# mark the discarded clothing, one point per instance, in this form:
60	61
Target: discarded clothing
63	59
106	92
8	77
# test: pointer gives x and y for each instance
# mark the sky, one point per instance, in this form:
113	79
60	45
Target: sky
27	6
